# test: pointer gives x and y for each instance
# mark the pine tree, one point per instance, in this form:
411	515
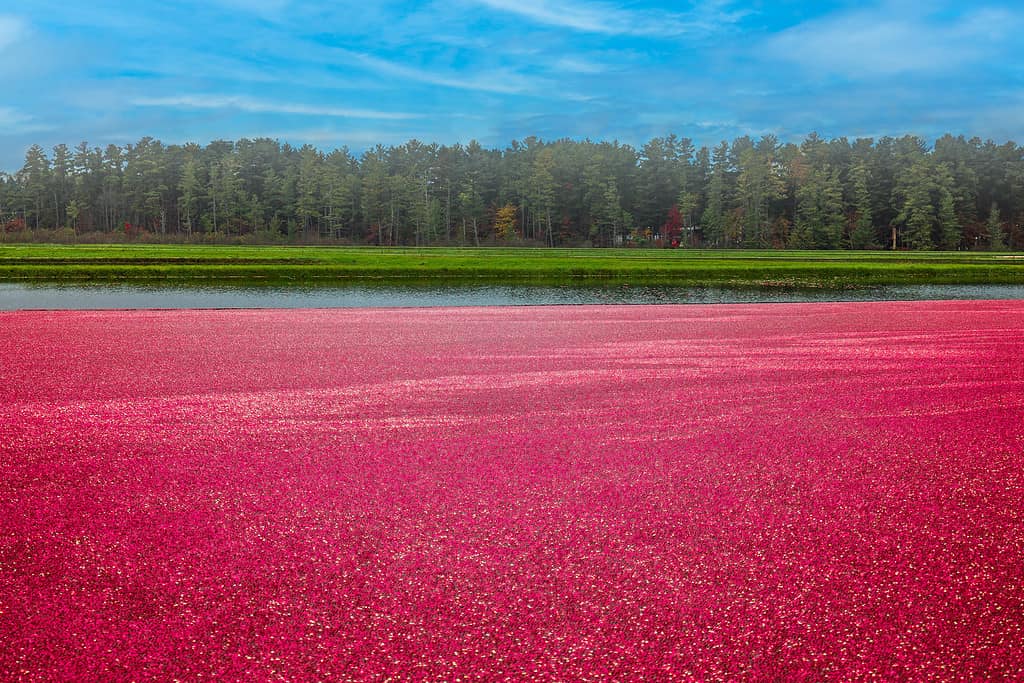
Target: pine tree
994	231
471	210
190	193
758	186
541	193
62	169
819	220
917	211
862	234
714	218
950	233
608	216
308	189
34	180
949	227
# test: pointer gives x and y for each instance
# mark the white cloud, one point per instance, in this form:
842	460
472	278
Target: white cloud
880	42
11	117
579	66
598	17
258	7
13	121
503	81
11	30
332	136
261	106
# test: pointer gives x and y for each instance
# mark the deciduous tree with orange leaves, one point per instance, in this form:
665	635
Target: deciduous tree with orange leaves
505	222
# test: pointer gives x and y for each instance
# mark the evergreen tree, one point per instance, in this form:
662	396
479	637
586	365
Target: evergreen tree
190	190
950	233
308	203
541	194
34	182
917	212
609	220
758	186
994	232
862	232
62	170
714	218
820	220
818	194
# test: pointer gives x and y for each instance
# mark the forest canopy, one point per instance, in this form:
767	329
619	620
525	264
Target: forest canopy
820	194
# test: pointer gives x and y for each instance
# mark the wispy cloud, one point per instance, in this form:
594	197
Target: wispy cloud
578	65
600	17
258	7
503	82
880	42
358	138
12	117
11	29
14	121
389	70
250	105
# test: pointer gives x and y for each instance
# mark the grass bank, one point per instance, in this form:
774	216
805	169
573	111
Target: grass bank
280	265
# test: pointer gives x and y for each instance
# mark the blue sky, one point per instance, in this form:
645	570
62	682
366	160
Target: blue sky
347	73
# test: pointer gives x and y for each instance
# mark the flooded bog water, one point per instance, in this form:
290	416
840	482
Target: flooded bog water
53	297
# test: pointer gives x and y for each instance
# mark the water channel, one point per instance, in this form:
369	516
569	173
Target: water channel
15	296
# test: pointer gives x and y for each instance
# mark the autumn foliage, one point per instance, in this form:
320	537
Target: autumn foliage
14	225
672	230
505	222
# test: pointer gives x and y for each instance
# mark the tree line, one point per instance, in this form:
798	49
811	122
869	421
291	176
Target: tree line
820	194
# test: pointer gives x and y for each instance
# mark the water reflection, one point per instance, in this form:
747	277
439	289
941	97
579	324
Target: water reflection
50	297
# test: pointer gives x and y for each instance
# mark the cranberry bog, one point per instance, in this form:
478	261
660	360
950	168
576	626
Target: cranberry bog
782	492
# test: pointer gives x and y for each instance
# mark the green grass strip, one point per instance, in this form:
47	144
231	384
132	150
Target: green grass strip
305	265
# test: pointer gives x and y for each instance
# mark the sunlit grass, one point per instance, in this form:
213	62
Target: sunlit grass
309	264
